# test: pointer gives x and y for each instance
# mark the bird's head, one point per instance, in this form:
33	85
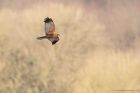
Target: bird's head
47	20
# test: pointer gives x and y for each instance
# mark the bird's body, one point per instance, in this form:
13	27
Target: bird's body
50	32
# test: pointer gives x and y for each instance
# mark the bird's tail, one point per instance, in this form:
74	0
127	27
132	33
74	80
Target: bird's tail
42	37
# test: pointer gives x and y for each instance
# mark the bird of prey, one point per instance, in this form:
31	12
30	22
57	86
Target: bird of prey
50	32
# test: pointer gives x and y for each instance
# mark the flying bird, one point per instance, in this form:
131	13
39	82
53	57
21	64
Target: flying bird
50	32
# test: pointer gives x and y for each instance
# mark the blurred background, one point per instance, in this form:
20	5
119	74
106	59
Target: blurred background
98	49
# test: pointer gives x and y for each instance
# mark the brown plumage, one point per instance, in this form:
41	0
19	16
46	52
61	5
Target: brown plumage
50	32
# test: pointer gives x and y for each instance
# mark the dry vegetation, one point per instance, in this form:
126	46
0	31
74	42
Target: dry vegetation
98	50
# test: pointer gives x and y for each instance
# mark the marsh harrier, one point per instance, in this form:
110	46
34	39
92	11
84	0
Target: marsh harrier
50	32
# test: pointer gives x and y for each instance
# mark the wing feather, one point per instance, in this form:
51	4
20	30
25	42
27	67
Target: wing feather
49	28
52	39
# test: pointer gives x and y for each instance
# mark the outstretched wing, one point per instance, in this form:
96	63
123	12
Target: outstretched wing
54	39
49	26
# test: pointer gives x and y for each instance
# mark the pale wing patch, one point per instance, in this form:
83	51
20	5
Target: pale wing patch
53	39
47	27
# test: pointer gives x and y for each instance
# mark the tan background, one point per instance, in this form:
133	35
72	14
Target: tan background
98	49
